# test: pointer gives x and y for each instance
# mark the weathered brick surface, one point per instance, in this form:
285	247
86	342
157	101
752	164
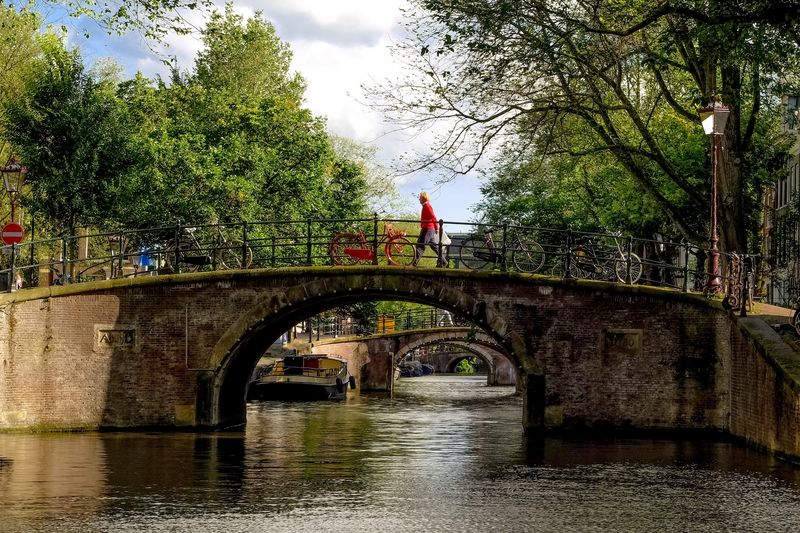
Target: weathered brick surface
765	400
179	351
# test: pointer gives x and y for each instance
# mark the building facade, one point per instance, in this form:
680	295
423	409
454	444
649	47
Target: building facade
781	231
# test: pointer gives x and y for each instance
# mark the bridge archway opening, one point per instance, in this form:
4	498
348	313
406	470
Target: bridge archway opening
474	365
500	369
222	395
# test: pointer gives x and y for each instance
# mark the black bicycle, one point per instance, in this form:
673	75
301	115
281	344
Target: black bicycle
587	261
223	252
478	251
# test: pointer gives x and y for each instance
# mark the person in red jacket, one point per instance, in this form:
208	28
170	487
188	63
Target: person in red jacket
429	231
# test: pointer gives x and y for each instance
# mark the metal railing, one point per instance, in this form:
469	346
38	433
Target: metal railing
331	326
294	243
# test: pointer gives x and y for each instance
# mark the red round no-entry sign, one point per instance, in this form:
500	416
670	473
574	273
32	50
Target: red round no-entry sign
12	233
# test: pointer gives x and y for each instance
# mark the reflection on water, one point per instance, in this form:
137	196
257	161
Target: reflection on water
447	453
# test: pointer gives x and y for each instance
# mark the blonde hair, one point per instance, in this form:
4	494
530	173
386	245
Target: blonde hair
425	196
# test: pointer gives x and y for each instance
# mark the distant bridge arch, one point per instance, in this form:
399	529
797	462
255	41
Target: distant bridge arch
501	370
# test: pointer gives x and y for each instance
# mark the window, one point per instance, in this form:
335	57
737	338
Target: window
792	108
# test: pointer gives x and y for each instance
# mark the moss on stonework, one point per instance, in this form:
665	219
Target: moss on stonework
50	428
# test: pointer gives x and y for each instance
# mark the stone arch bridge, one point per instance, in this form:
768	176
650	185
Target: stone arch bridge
177	351
396	346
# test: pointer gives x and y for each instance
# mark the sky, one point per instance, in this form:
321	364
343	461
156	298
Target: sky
337	46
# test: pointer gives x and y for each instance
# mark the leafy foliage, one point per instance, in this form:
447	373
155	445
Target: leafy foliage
246	58
70	132
207	147
155	19
614	84
19	47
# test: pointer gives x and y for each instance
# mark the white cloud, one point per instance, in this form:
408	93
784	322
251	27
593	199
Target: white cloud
355	15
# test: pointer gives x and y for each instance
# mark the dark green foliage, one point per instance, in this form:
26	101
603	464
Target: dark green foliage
70	131
363	314
208	147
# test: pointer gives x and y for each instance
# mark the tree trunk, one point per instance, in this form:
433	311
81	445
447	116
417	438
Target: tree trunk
730	215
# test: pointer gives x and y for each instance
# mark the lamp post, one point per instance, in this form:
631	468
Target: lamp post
13	177
714	117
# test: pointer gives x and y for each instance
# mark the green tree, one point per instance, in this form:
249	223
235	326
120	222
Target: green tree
105	153
246	58
610	77
69	131
215	147
19	47
381	193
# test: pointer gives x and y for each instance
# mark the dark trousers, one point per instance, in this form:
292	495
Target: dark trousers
430	237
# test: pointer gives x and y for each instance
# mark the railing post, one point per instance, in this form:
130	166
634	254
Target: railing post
272	258
628	278
745	282
568	254
686	267
33	240
375	239
319	325
121	254
64	262
504	249
12	278
178	248
308	242
440	252
244	245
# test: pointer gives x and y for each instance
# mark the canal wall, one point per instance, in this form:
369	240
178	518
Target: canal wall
368	361
764	388
662	366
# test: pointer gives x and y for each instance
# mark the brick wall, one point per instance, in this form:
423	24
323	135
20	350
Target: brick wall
765	394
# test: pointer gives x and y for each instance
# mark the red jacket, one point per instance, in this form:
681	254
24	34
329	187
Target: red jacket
428	219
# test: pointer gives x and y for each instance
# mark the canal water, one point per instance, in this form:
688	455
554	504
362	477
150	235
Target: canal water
447	454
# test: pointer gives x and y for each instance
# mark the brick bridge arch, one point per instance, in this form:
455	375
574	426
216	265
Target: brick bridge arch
177	350
236	352
502	371
446	335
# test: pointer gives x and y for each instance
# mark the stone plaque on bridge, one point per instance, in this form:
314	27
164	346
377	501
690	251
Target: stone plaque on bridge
114	337
621	341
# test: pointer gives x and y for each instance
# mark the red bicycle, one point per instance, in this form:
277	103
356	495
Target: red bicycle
350	248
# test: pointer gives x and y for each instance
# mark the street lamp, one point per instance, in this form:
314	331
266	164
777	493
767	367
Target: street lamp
714	117
13	177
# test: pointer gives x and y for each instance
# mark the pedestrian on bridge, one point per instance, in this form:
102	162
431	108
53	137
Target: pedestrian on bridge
429	232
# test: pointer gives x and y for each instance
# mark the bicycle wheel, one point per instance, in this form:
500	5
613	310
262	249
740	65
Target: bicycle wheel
474	253
400	252
528	256
577	272
621	268
186	249
796	321
230	255
339	243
